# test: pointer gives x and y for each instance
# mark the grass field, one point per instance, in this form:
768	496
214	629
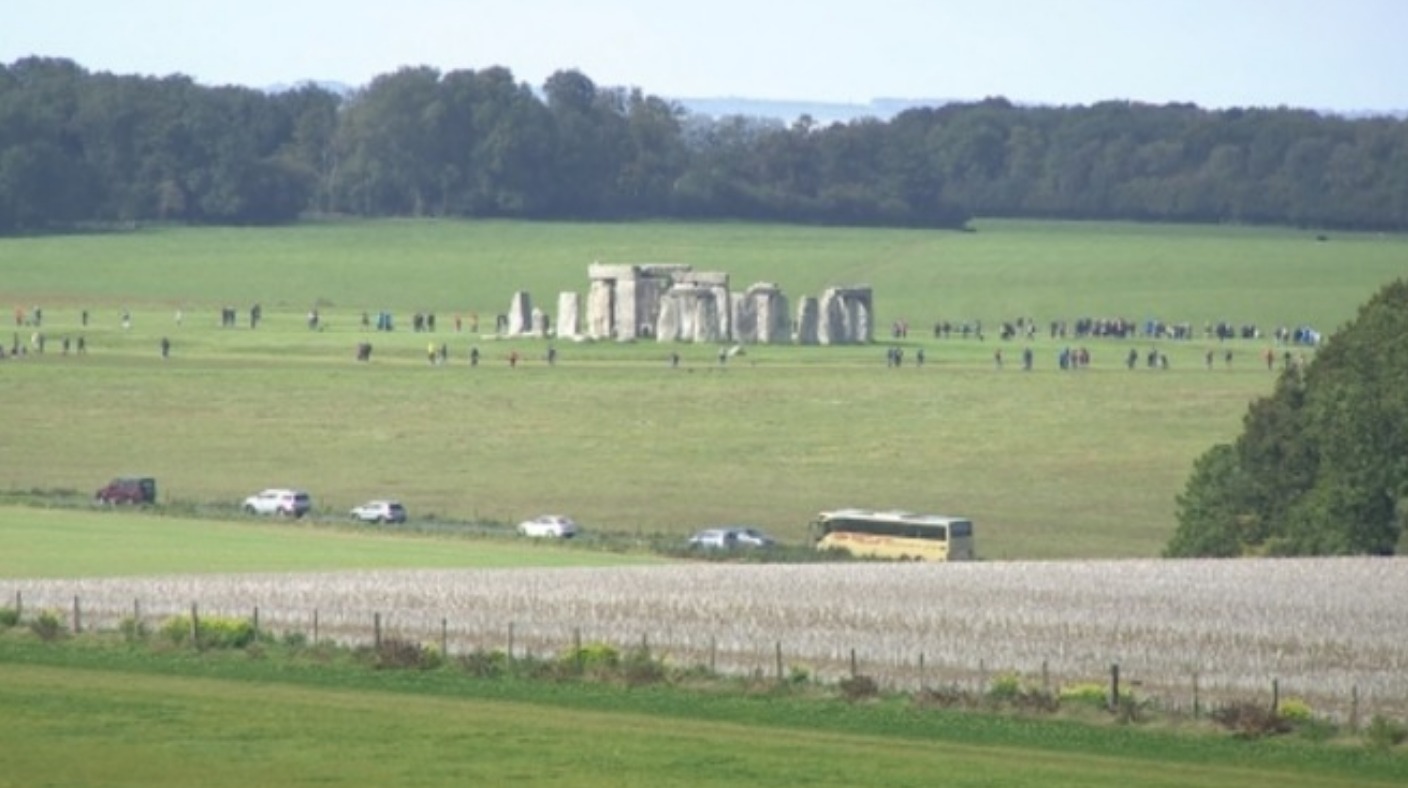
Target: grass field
1049	464
64	543
172	721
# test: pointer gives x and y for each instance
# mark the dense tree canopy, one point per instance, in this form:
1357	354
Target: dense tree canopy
79	147
1321	466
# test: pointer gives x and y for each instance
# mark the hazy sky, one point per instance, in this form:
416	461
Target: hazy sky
1321	54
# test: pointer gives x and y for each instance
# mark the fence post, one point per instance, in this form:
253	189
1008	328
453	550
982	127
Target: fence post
713	654
577	649
315	626
254	621
1115	687
510	642
779	661
376	631
1275	695
1197	701
77	617
645	645
922	688
444	638
19	605
1354	709
195	627
1045	677
854	671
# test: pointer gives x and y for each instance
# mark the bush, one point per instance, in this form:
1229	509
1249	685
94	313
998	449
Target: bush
594	658
133	630
9	617
1091	695
1295	711
945	697
47	626
641	667
211	632
294	640
484	664
1384	734
1250	720
395	653
858	688
1006	687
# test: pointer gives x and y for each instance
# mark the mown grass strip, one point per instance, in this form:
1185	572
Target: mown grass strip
587	721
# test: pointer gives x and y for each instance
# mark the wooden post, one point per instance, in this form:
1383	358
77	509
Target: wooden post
1197	700
195	627
1115	687
315	626
1045	677
854	671
779	661
77	616
444	638
577	649
254	621
713	654
1275	695
1354	709
376	631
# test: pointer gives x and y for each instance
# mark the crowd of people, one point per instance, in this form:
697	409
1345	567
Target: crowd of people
896	355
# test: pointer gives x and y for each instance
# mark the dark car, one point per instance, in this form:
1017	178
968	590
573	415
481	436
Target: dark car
128	489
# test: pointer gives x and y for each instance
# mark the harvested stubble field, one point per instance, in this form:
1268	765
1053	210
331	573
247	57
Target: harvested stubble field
1328	630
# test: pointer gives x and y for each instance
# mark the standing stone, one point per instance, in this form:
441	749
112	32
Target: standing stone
520	314
568	307
845	316
689	313
600	310
745	319
624	315
807	320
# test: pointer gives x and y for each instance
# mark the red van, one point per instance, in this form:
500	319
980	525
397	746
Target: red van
128	489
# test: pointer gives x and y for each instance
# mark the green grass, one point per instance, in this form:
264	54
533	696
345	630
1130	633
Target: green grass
149	719
66	543
1048	464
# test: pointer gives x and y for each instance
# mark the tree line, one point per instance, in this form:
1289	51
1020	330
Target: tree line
78	147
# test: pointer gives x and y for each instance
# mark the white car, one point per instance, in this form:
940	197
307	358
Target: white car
714	539
728	537
380	512
549	525
288	503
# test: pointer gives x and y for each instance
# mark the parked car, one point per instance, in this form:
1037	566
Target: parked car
287	503
128	489
380	512
714	539
550	525
752	537
730	536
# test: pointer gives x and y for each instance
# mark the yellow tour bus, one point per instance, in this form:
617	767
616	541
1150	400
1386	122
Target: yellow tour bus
902	536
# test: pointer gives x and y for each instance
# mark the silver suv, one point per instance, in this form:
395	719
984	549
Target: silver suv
286	503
